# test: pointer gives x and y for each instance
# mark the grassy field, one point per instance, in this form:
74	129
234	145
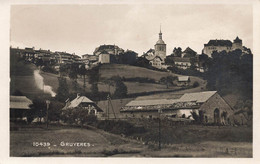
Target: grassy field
103	144
107	71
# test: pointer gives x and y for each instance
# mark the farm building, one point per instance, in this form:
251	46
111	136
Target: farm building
209	105
19	105
83	102
183	80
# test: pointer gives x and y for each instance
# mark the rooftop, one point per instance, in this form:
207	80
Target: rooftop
187	101
199	97
20	102
219	43
81	99
183	78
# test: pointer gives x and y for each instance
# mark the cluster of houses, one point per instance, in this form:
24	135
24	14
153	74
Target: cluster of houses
45	56
209	106
156	57
185	59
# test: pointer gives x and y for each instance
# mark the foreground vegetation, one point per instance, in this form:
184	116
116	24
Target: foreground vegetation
104	144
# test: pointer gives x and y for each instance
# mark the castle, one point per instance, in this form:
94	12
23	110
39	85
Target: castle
221	45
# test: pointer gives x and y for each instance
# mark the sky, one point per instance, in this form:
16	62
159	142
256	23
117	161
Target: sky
81	28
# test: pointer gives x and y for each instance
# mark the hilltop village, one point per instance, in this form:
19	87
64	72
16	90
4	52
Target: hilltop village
155	98
186	63
112	54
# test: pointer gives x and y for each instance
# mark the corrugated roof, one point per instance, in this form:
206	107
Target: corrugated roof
199	97
20	102
183	78
151	102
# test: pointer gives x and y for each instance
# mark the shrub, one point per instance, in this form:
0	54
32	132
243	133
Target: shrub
49	69
195	84
119	127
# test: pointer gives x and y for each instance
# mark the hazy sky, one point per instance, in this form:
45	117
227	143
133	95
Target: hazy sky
82	28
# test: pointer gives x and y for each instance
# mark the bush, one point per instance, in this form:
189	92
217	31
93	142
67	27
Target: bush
119	127
78	116
49	69
195	84
139	79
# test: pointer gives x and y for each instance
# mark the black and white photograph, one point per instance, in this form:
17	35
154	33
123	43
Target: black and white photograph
143	80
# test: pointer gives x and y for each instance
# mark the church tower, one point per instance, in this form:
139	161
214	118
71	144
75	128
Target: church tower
160	47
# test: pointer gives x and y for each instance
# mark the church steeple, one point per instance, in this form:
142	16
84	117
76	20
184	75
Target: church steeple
160	34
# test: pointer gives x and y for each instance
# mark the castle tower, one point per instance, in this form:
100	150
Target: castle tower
160	47
237	44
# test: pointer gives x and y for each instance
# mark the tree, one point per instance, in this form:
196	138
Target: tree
63	90
169	60
38	109
78	116
168	80
83	72
55	110
17	93
195	84
231	72
121	89
94	75
176	52
142	62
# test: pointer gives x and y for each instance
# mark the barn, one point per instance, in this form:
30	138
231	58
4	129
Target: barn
183	81
209	105
19	105
83	102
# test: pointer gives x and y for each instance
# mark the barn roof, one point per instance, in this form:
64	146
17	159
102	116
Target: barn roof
183	78
187	101
20	102
150	102
81	99
199	97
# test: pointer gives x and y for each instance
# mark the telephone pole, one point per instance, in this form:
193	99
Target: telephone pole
159	112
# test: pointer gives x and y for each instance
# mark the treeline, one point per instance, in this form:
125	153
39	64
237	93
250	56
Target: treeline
231	72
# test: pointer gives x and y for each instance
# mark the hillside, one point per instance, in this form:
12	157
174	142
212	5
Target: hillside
22	78
107	71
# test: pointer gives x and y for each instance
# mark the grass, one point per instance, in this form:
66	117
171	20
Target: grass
107	144
107	71
173	134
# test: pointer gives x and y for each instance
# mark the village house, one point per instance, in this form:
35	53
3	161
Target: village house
104	57
84	102
188	53
182	63
154	60
209	105
183	81
110	49
19	105
29	54
89	59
